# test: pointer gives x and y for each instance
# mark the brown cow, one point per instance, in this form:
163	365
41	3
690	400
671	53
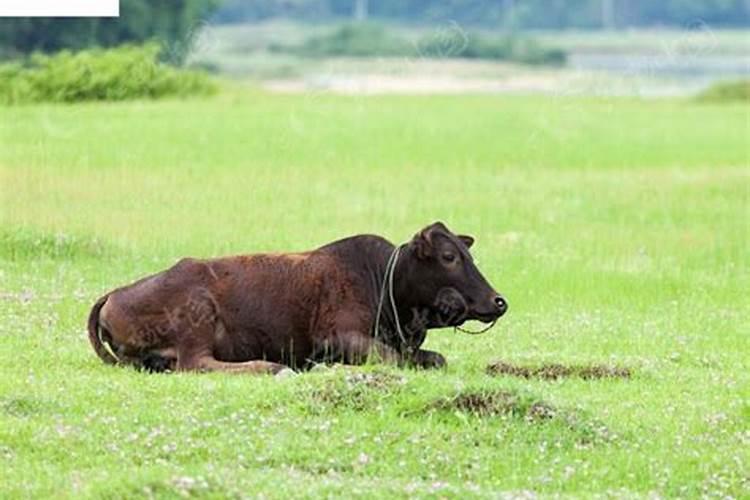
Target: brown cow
345	301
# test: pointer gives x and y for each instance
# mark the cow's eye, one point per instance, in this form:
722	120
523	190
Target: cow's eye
449	257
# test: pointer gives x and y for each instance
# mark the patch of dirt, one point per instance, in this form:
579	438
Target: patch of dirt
554	371
497	403
501	403
373	380
356	389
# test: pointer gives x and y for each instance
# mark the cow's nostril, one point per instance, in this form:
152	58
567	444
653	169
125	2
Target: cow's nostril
502	305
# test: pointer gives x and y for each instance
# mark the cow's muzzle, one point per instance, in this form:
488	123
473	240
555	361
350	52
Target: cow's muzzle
492	310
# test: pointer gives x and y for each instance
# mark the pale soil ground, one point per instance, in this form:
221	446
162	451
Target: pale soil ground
522	81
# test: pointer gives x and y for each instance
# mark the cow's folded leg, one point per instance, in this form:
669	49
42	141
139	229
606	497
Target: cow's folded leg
255	366
195	352
428	359
208	363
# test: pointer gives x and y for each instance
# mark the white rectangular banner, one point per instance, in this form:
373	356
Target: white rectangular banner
59	8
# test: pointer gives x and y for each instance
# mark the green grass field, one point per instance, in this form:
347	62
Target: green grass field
617	229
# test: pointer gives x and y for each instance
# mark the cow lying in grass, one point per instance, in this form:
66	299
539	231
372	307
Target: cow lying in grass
344	302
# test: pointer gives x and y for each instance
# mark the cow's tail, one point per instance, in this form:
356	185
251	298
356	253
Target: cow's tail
95	334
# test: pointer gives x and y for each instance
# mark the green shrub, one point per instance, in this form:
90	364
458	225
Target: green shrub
355	40
727	92
126	72
529	52
463	45
368	40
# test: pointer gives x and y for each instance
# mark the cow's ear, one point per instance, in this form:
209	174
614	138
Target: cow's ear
422	242
466	239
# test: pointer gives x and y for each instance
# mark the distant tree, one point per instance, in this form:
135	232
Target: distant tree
173	23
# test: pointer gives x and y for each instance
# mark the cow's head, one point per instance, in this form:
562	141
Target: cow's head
443	278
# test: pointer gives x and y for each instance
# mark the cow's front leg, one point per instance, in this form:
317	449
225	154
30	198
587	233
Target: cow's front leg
428	359
355	348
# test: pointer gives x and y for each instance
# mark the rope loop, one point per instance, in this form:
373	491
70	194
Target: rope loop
477	332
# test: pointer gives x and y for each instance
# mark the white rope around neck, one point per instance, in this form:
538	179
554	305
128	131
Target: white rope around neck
390	269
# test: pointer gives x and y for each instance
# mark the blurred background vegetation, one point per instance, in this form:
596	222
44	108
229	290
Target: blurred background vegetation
175	21
171	21
613	47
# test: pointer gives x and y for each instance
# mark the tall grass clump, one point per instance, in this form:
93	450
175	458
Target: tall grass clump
122	73
21	243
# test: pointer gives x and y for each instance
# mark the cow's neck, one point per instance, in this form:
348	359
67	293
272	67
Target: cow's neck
411	318
367	258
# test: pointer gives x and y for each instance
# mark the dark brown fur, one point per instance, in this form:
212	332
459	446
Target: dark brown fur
262	313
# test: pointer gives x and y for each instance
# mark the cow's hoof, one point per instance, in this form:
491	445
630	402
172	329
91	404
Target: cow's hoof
429	360
286	373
